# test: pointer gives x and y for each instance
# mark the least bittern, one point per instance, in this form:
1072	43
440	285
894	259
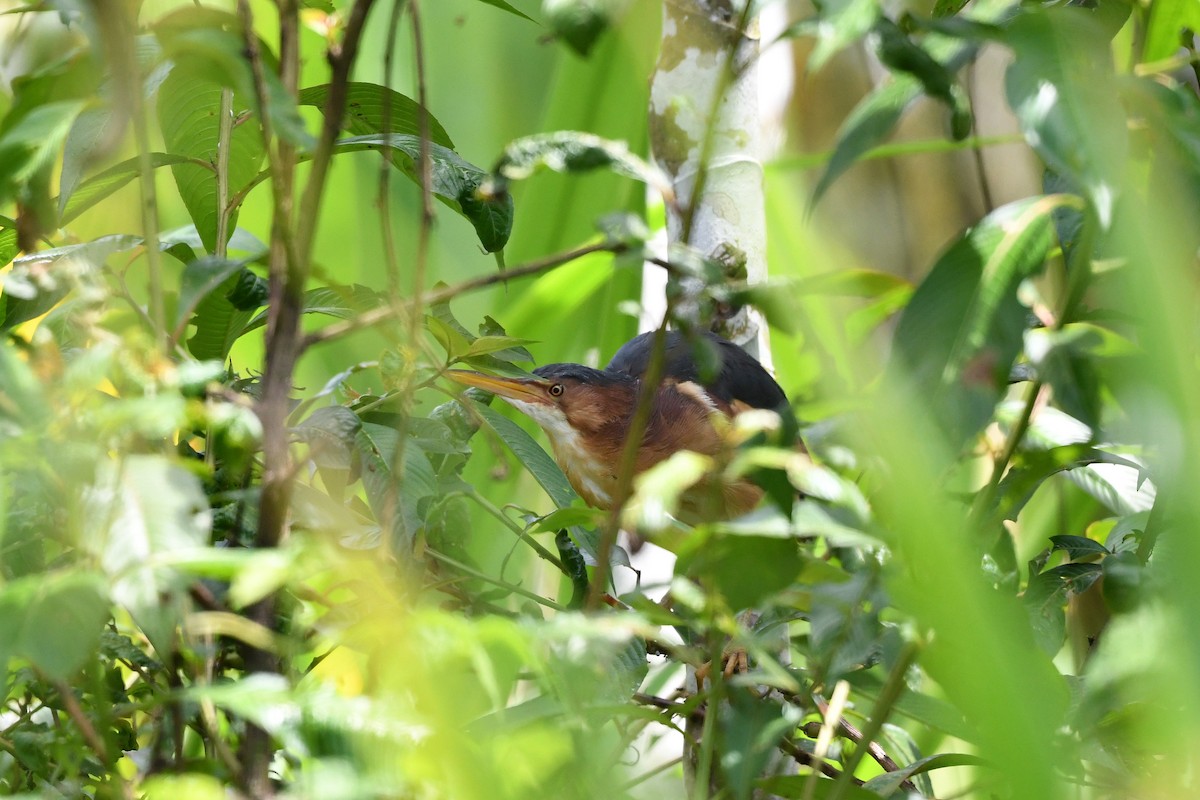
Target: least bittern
587	414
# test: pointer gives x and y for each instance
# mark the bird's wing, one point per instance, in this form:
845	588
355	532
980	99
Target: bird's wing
739	380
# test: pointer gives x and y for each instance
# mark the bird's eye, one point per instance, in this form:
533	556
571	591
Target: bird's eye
556	390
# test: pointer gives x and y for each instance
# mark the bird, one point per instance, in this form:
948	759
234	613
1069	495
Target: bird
587	413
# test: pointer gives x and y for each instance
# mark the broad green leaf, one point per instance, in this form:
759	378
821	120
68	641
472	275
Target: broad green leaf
394	496
1165	29
32	144
211	41
369	106
532	456
868	125
1060	86
189	105
101	186
1120	487
342	302
573	152
902	54
201	278
888	784
54	620
486	345
455	182
8	241
1031	468
330	432
1078	547
31	288
139	509
810	787
745	570
204	288
958	336
855	282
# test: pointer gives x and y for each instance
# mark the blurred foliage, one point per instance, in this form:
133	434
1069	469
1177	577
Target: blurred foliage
984	589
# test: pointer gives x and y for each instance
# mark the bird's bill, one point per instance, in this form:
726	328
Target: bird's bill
525	390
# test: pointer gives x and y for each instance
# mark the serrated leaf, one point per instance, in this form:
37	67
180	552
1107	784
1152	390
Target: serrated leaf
1078	547
331	432
394	497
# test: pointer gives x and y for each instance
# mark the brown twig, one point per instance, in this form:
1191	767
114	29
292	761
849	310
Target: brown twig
382	314
873	748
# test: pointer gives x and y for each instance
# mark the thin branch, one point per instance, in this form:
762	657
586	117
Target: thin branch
375	316
383	198
873	748
341	59
224	138
888	696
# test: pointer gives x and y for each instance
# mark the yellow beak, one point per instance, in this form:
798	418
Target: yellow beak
526	390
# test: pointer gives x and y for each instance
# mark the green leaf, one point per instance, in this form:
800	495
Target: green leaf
203	289
579	23
922	708
211	42
1078	547
888	784
959	335
342	302
1059	84
140	509
573	152
394	496
100	186
54	620
201	278
331	432
369	106
1165	29
869	124
842	22
540	465
189	106
745	570
1031	468
900	53
503	6
456	182
32	144
1125	581
486	345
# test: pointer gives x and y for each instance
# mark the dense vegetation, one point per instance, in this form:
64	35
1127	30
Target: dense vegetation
252	540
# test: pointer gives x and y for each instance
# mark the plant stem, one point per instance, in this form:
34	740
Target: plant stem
888	696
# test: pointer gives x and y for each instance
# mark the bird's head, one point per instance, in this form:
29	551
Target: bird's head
564	399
